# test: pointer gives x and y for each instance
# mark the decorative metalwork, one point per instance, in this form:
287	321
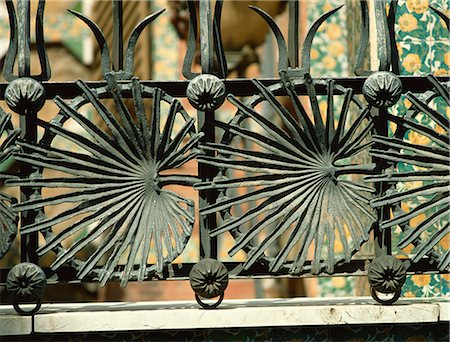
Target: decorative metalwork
25	94
428	167
387	51
118	179
8	219
209	279
206	92
119	70
26	283
288	188
382	89
19	42
387	275
298	178
209	36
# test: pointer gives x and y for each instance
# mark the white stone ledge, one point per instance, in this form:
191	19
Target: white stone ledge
13	324
93	317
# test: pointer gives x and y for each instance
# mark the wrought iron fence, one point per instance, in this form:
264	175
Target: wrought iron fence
285	190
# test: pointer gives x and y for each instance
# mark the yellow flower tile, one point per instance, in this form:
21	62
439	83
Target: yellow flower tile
440	130
415	221
399	49
323	109
445	243
409	294
412	62
418	139
327	7
441	72
447	58
421	279
417	6
405	207
407	22
408	249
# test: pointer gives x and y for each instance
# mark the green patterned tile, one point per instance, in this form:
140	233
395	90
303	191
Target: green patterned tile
329	48
439	30
440	58
426	285
410	26
415	21
414	58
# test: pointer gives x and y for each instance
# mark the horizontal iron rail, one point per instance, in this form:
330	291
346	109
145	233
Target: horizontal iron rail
240	87
181	272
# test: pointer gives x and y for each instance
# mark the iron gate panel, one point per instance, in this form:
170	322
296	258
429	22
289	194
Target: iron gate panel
304	179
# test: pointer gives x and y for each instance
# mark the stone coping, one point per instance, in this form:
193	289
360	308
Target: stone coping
123	316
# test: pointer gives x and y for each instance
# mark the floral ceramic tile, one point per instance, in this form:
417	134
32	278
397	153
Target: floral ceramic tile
440	57
414	58
412	25
439	30
329	48
426	285
416	21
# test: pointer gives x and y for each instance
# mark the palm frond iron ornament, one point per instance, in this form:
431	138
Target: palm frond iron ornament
118	182
425	168
299	185
296	179
8	218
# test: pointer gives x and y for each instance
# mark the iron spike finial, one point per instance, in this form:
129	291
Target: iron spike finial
283	59
386	45
117	53
210	47
19	41
122	66
288	53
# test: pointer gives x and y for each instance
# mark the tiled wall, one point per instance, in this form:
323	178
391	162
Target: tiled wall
367	333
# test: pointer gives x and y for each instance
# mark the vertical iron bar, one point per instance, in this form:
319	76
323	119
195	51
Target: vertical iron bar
23	13
206	37
382	238
117	51
383	36
293	33
28	118
29	242
208	245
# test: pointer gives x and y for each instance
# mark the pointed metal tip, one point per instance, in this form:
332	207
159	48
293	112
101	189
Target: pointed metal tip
74	12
